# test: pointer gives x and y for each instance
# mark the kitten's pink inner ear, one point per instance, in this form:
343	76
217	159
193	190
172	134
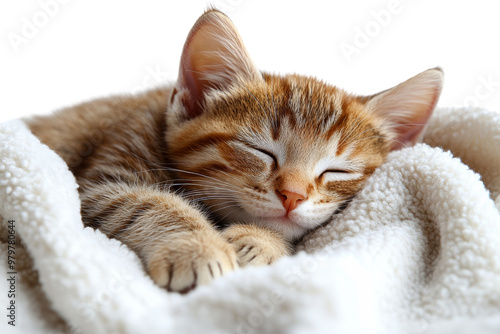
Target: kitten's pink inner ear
408	107
214	57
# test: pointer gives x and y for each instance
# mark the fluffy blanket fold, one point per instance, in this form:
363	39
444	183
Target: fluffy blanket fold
417	251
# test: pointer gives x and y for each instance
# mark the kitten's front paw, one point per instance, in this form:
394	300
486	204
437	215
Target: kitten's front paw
186	260
256	245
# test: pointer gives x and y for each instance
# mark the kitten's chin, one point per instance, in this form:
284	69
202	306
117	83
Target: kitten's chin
286	226
290	230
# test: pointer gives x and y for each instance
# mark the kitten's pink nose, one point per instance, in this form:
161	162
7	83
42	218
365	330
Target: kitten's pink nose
290	199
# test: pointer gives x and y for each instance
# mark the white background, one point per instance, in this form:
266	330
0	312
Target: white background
84	49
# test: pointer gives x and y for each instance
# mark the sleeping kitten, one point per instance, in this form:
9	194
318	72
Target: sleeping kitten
269	157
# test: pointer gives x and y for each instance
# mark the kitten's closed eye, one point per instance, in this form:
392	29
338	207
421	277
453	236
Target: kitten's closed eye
269	156
341	171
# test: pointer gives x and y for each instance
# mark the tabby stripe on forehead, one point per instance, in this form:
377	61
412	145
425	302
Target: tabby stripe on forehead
287	110
276	128
340	123
202	142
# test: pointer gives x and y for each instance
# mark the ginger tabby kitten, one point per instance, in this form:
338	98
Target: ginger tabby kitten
266	157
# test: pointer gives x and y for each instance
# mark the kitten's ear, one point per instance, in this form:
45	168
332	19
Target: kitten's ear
213	57
407	107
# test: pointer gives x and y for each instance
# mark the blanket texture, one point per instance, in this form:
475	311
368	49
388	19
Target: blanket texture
417	251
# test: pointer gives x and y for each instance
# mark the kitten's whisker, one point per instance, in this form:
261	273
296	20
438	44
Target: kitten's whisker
205	196
209	186
198	174
231	176
190	193
226	205
236	209
148	161
213	198
204	186
149	170
203	183
213	192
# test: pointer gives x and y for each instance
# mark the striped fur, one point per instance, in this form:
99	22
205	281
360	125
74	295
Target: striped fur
227	144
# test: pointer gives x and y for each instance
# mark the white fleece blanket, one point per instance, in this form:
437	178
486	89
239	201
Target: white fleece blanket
417	251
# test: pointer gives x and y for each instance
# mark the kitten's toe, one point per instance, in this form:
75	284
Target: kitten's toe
213	268
182	279
252	251
250	254
182	264
255	245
